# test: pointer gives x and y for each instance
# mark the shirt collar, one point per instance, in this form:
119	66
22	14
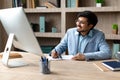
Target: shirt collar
90	34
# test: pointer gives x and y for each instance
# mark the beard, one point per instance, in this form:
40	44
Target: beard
79	29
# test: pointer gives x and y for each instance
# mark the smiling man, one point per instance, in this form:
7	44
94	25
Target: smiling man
84	41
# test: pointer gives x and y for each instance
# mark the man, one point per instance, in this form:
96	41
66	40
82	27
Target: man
83	41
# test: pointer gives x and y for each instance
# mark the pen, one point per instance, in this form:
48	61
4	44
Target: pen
49	53
44	60
60	56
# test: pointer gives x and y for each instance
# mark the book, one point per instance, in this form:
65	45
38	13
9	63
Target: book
68	3
54	2
72	3
49	5
112	65
29	2
58	3
17	3
54	30
116	48
42	23
32	3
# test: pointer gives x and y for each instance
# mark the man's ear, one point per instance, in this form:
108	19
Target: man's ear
90	26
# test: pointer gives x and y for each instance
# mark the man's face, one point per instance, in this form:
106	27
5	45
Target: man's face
82	25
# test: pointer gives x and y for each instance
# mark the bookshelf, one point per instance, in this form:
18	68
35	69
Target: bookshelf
63	17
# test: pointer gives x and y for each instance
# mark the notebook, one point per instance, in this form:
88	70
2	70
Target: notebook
112	65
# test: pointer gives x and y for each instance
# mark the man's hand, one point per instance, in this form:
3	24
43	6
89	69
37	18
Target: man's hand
54	54
79	57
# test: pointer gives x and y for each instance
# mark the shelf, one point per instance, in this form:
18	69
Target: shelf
49	34
60	35
112	37
51	10
79	9
94	9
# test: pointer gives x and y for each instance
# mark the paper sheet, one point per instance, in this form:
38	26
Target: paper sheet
64	57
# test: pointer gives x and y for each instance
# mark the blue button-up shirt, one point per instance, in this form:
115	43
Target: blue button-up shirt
93	45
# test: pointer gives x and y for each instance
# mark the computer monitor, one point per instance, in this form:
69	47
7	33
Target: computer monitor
14	20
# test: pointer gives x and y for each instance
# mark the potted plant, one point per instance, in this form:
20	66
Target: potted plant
115	28
99	3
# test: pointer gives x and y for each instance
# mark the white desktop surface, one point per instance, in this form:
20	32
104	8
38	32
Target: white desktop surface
60	70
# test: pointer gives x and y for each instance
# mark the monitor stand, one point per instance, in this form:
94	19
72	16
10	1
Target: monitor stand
6	55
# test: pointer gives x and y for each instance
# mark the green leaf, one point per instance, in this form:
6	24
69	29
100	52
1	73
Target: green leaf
115	26
99	1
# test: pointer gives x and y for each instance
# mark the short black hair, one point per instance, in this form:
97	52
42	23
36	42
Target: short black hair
92	18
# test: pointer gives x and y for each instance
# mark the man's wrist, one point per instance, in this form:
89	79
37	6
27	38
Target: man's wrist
81	56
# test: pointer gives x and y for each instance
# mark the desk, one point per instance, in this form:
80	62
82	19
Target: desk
61	70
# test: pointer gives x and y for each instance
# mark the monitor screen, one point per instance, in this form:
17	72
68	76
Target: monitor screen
14	20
